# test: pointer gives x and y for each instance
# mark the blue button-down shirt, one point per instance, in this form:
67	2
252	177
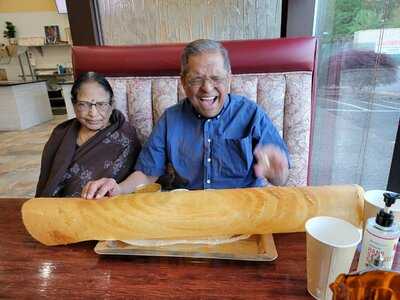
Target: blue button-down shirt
210	153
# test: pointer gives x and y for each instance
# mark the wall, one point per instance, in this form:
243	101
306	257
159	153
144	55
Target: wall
141	22
300	18
7	6
30	17
30	24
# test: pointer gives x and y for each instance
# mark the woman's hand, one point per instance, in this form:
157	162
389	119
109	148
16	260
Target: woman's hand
109	187
271	164
100	188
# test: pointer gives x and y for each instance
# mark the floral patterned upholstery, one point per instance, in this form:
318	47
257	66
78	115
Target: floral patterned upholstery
286	98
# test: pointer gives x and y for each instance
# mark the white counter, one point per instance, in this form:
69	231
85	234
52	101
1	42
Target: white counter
23	105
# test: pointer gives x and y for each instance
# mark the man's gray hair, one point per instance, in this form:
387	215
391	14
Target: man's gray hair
202	46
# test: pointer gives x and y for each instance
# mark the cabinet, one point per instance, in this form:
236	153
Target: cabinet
54	82
66	89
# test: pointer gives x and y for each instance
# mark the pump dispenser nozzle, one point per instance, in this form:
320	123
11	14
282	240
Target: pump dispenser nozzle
385	217
390	198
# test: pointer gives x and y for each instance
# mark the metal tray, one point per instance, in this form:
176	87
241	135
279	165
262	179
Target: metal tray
255	248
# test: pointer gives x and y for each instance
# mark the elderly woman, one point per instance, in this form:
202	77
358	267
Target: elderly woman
97	143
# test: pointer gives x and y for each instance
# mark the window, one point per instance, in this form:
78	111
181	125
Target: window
358	91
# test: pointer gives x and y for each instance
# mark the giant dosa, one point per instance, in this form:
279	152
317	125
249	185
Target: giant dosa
193	214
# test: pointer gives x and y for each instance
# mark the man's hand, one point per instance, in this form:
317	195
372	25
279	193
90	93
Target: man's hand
271	164
100	188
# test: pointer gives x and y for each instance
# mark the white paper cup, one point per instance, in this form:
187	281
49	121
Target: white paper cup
331	244
374	202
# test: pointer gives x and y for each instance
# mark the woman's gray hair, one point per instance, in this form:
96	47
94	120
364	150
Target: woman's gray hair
90	77
202	46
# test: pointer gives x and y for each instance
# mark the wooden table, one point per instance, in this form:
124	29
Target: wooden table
31	270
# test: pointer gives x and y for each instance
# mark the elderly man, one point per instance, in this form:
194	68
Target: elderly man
212	139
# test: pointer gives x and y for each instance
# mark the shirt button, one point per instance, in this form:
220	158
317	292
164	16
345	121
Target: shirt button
208	120
208	181
209	140
209	159
217	117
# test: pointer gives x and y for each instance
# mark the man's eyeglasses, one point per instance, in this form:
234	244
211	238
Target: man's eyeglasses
84	106
199	81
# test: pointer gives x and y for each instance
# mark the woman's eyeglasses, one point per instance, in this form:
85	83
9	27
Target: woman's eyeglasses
84	106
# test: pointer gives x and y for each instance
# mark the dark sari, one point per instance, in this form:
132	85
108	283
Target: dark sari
66	168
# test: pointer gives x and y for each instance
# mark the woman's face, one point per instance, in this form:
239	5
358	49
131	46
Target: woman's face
93	108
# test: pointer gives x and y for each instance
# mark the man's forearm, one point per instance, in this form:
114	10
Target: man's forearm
135	179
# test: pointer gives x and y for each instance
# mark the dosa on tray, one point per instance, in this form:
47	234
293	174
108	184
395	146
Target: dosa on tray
188	215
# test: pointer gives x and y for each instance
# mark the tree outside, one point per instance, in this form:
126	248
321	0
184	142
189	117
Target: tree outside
355	15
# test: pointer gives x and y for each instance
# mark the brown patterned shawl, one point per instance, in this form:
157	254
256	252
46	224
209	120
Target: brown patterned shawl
66	168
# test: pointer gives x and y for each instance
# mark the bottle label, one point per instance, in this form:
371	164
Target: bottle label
373	246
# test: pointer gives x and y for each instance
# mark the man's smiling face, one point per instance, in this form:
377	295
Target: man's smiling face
206	83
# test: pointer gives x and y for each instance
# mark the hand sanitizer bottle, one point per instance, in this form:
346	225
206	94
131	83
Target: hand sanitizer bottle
381	236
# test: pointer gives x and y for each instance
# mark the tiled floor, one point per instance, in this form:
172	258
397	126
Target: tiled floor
20	153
